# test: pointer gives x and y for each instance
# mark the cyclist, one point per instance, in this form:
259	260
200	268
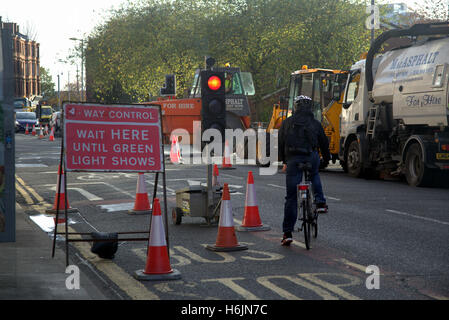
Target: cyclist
300	138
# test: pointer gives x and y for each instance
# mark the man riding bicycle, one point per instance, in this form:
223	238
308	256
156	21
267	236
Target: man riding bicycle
301	137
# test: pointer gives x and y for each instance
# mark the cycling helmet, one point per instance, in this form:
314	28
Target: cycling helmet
302	103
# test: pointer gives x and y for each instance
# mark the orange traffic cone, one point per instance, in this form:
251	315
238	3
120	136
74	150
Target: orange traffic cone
251	218
227	157
142	204
226	238
158	263
61	195
52	134
215	174
33	132
46	130
175	151
41	134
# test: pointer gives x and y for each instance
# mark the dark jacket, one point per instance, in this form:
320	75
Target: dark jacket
301	118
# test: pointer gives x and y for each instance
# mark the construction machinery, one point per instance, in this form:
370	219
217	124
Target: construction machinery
395	112
183	113
325	87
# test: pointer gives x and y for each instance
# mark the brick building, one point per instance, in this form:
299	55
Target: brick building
26	62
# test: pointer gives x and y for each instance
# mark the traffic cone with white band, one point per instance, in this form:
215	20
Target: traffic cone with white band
33	132
175	151
26	129
227	158
251	218
41	134
61	195
158	263
142	203
52	134
226	238
46	130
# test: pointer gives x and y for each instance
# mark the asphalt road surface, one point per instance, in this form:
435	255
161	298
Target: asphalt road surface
372	226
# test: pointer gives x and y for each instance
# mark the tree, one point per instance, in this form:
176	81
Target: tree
128	56
47	84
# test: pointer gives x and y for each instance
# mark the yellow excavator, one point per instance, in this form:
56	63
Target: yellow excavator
326	88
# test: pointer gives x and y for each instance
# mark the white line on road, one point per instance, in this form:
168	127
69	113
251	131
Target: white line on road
276	186
89	196
417	217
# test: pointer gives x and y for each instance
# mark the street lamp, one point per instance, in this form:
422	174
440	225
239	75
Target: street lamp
82	65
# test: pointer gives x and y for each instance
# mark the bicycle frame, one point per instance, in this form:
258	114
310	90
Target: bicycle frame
309	217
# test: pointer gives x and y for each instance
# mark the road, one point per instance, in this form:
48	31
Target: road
397	229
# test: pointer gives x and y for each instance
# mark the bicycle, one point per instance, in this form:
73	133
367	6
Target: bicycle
309	216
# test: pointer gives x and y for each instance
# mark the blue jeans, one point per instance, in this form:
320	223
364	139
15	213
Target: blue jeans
294	177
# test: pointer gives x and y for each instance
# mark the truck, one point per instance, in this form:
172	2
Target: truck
395	113
325	87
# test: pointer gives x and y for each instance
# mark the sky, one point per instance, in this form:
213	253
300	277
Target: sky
55	21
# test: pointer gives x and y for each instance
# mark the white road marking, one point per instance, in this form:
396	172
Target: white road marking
417	217
89	196
117	207
276	186
31	165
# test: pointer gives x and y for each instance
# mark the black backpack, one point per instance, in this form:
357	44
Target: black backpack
301	138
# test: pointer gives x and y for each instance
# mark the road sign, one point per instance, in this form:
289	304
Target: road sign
113	138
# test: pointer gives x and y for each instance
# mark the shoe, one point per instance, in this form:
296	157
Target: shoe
287	239
321	208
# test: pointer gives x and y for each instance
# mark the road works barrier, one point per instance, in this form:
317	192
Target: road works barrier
111	138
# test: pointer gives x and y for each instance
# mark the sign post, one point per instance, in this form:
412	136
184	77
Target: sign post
112	138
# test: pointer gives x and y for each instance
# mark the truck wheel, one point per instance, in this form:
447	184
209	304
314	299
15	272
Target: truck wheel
353	160
416	173
176	215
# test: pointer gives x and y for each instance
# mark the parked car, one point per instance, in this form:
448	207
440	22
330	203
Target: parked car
24	118
56	123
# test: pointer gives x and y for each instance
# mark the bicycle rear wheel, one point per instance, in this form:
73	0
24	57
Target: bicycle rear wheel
306	223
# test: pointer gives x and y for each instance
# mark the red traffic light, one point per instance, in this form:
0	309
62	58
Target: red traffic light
214	83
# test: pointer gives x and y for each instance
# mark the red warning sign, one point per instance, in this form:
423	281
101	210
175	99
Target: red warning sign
112	138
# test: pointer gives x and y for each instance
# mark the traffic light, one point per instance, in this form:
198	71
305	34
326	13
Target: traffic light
213	111
169	87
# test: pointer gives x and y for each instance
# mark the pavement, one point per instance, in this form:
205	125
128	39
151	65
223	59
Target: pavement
28	272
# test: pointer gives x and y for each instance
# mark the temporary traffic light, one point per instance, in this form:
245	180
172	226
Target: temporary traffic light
213	111
169	87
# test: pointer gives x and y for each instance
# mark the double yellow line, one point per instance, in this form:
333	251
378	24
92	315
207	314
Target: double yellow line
120	277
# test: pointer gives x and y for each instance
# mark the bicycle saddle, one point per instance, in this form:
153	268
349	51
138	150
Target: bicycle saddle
307	166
